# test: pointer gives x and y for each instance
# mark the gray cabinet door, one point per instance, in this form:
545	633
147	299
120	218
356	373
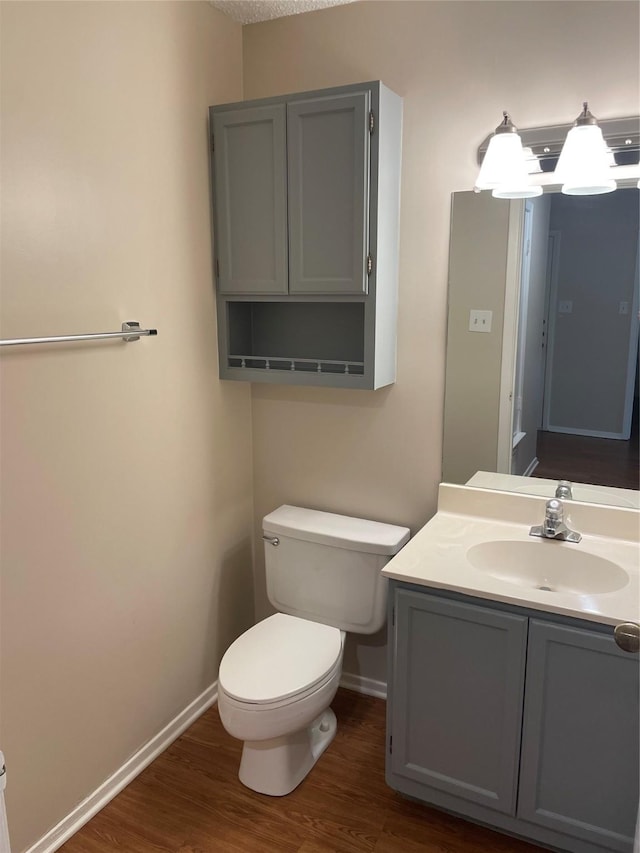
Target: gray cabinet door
458	681
328	154
579	766
250	230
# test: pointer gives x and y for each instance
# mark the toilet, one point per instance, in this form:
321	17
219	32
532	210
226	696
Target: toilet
277	680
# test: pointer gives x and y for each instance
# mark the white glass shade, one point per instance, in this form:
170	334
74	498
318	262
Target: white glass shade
517	191
504	169
584	165
532	162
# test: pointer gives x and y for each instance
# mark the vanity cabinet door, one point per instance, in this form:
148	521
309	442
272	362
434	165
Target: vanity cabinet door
251	199
328	160
579	766
457	696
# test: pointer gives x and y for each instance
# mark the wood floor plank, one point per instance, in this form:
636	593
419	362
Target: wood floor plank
584	459
190	800
432	831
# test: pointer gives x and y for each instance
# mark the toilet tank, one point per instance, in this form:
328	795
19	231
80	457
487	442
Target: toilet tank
326	567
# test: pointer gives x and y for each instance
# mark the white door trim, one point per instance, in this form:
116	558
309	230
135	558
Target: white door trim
510	336
552	286
633	361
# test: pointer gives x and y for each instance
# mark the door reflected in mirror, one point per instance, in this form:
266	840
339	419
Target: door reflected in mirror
551	391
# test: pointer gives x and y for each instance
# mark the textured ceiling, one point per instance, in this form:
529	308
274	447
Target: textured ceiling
252	11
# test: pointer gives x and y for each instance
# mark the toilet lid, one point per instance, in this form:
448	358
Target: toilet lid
279	657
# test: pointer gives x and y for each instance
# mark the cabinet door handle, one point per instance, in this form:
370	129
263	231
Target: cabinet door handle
627	636
272	539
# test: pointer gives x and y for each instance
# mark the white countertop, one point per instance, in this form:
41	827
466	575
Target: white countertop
437	555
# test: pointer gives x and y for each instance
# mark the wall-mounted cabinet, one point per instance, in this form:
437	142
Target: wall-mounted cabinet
306	211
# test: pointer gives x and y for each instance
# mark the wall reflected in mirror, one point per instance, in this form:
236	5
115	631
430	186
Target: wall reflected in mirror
545	387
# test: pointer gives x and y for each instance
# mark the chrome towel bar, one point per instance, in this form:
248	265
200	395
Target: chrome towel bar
131	331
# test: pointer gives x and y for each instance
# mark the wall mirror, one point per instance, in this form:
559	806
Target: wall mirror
542	345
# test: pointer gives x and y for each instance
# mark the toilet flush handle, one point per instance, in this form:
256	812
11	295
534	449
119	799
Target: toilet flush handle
273	539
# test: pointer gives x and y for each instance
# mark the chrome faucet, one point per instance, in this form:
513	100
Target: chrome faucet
564	490
554	526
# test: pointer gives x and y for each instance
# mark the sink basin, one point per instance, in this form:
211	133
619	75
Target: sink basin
547	565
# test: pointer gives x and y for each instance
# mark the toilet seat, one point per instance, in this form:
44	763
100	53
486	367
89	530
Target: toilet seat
280	660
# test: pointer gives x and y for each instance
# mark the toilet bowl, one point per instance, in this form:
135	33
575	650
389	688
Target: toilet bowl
277	680
275	686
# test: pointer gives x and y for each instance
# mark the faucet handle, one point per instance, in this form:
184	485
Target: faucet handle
554	510
564	490
553	526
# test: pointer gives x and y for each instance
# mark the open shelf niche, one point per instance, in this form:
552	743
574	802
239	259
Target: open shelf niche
302	337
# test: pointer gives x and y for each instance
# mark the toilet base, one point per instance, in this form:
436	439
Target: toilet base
277	766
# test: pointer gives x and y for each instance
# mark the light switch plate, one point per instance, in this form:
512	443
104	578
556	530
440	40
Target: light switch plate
480	321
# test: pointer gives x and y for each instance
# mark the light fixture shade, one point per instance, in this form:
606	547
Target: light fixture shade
504	168
517	191
503	158
584	164
514	181
532	162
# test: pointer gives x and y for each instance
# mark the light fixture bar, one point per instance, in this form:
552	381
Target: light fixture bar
622	135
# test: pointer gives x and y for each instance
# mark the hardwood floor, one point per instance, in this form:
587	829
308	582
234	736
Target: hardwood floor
582	459
190	801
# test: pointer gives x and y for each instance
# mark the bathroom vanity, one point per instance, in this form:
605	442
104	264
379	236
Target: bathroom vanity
510	700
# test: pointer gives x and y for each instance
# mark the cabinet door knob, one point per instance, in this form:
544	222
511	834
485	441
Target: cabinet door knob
627	636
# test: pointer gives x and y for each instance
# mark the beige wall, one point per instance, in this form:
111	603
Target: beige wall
458	65
126	480
478	273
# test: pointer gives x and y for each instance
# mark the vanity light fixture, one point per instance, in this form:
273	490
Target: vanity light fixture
504	169
609	143
584	165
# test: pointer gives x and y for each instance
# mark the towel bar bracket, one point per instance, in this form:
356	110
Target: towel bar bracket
130	326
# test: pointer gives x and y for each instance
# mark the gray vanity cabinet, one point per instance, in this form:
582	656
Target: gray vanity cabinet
525	721
306	191
579	766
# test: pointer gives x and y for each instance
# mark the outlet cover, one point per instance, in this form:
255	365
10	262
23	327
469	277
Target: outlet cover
480	321
565	306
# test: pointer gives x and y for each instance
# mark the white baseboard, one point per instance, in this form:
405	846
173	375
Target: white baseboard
364	685
69	825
